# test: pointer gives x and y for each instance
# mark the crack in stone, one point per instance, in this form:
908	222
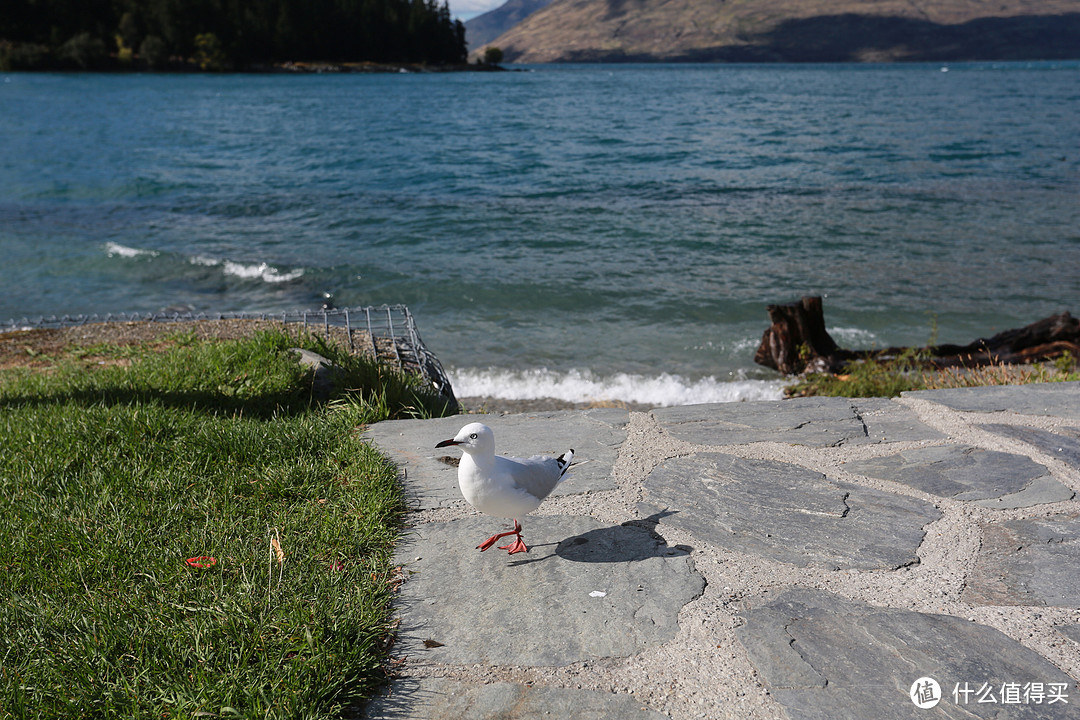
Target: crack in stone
859	417
792	645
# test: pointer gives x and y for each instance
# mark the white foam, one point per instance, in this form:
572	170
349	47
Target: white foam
853	337
252	271
731	348
260	271
583	386
113	249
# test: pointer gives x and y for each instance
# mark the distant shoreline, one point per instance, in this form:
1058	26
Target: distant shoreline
285	68
308	68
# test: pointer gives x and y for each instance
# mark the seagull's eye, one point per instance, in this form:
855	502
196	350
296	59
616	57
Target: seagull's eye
473	436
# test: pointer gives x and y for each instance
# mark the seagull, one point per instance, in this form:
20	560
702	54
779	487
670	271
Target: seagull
504	486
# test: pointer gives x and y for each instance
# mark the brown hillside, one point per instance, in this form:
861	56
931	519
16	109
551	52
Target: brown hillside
482	29
795	30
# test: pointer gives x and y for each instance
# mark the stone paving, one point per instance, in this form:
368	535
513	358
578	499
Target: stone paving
811	558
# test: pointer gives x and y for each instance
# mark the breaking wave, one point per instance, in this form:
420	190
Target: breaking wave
252	271
580	386
113	249
245	271
854	337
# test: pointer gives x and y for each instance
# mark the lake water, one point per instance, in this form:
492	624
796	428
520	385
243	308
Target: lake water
581	232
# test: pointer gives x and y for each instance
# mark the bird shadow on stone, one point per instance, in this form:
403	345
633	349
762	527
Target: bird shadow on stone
631	541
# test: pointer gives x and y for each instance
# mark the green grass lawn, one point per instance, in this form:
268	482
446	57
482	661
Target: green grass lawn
113	476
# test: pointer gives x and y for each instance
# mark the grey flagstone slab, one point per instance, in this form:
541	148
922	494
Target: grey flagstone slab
1063	444
815	422
1030	561
824	657
443	699
990	478
1055	399
584	590
787	513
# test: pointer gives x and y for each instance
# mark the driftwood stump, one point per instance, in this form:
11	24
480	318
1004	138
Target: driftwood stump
797	342
796	338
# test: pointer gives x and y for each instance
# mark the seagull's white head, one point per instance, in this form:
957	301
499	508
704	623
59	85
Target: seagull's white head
473	438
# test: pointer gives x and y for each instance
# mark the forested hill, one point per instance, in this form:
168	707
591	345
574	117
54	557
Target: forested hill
224	34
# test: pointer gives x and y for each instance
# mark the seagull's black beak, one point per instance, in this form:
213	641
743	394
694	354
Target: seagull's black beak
444	443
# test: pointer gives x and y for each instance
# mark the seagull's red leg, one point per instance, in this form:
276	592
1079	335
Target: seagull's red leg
516	546
491	540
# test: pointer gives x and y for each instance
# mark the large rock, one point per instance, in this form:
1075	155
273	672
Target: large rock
584	591
826	658
787	513
1028	562
325	375
594	435
818	422
989	478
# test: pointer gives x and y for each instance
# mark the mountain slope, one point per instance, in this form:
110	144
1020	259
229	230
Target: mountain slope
794	30
482	29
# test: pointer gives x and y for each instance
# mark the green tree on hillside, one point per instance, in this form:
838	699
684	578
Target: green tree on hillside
32	32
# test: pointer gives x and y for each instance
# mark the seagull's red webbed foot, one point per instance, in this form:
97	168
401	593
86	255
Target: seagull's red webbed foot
516	546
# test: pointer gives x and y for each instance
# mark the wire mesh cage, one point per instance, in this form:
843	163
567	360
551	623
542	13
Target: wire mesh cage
387	332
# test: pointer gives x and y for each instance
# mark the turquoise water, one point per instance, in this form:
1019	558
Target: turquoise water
573	231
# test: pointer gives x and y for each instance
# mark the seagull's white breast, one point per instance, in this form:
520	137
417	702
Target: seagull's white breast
502	487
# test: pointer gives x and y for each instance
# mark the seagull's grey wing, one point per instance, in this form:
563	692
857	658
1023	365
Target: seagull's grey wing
537	475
